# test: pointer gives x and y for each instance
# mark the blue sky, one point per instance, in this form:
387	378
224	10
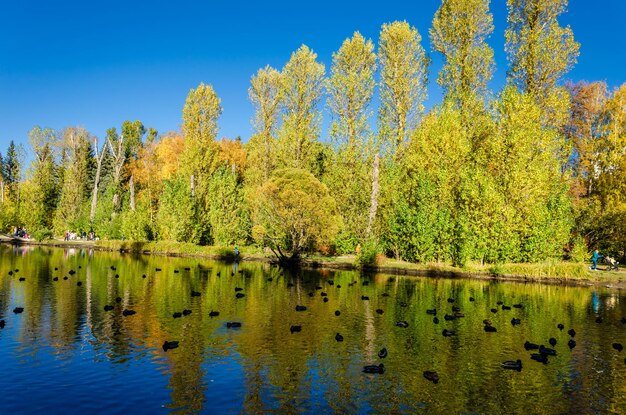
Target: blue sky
98	63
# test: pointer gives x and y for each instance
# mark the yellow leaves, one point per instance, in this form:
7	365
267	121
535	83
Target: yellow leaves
233	153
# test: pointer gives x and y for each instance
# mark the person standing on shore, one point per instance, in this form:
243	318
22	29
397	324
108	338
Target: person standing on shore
594	258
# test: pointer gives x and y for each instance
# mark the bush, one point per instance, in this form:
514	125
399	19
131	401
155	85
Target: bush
579	251
42	234
369	255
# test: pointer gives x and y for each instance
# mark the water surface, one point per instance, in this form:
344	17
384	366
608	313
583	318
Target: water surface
66	354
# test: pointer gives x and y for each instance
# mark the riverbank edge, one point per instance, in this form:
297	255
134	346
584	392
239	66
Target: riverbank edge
615	280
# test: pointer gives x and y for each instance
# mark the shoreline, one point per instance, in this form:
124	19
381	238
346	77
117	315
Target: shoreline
613	280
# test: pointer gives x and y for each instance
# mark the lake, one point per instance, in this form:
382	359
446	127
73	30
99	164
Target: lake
65	354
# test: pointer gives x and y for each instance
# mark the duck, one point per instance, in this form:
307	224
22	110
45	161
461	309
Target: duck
295	329
458	314
403	304
447	333
456	308
571	332
432	376
560	326
108	307
187	269
112	268
79	283
506	307
380	311
270	279
494	310
10	272
318	287
432	312
512	364
490	329
517	306
516	321
233	324
300	308
64	278
177	314
143	276
538	357
448	317
402	324
311	294
337	312
128	312
374	369
237	289
547	351
499	303
323	294
55	279
168	345
364	297
338	286
18	310
530	346
118	299
450	300
598	319
2	324
571	343
214	313
472	299
22	279
383	294
435	320
382	353
117	275
618	347
72	272
338	337
331	282
325	299
186	312
218	273
195	294
391	279
157	269
366	283
487	322
240	295
552	341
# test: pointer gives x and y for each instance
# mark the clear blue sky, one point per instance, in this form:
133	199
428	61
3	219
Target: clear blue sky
98	63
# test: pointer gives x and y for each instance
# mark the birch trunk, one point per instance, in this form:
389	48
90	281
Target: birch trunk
374	199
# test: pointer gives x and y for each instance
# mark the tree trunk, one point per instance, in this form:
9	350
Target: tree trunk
374	199
193	187
2	192
94	195
131	185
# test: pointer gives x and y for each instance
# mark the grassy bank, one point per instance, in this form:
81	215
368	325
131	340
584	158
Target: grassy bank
550	271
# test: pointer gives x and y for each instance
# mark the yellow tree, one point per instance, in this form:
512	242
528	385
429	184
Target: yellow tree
266	95
404	76
459	32
302	87
540	52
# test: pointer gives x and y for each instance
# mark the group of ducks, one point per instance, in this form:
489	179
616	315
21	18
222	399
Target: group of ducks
540	353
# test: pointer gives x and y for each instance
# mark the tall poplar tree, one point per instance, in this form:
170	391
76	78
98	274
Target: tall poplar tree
350	90
302	88
459	32
404	77
265	92
540	52
45	187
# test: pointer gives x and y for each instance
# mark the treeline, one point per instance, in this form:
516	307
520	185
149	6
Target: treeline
537	170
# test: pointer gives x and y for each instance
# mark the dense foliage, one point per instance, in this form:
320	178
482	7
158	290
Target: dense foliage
534	171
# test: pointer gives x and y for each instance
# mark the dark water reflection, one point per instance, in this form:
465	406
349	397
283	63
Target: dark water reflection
65	354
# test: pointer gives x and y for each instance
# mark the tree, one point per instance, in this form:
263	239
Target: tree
45	192
540	52
133	133
350	89
265	92
294	212
200	160
99	156
459	32
302	88
404	76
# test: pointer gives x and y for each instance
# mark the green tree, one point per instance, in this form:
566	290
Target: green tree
302	88
294	213
45	192
459	32
265	92
201	158
350	89
404	77
540	52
